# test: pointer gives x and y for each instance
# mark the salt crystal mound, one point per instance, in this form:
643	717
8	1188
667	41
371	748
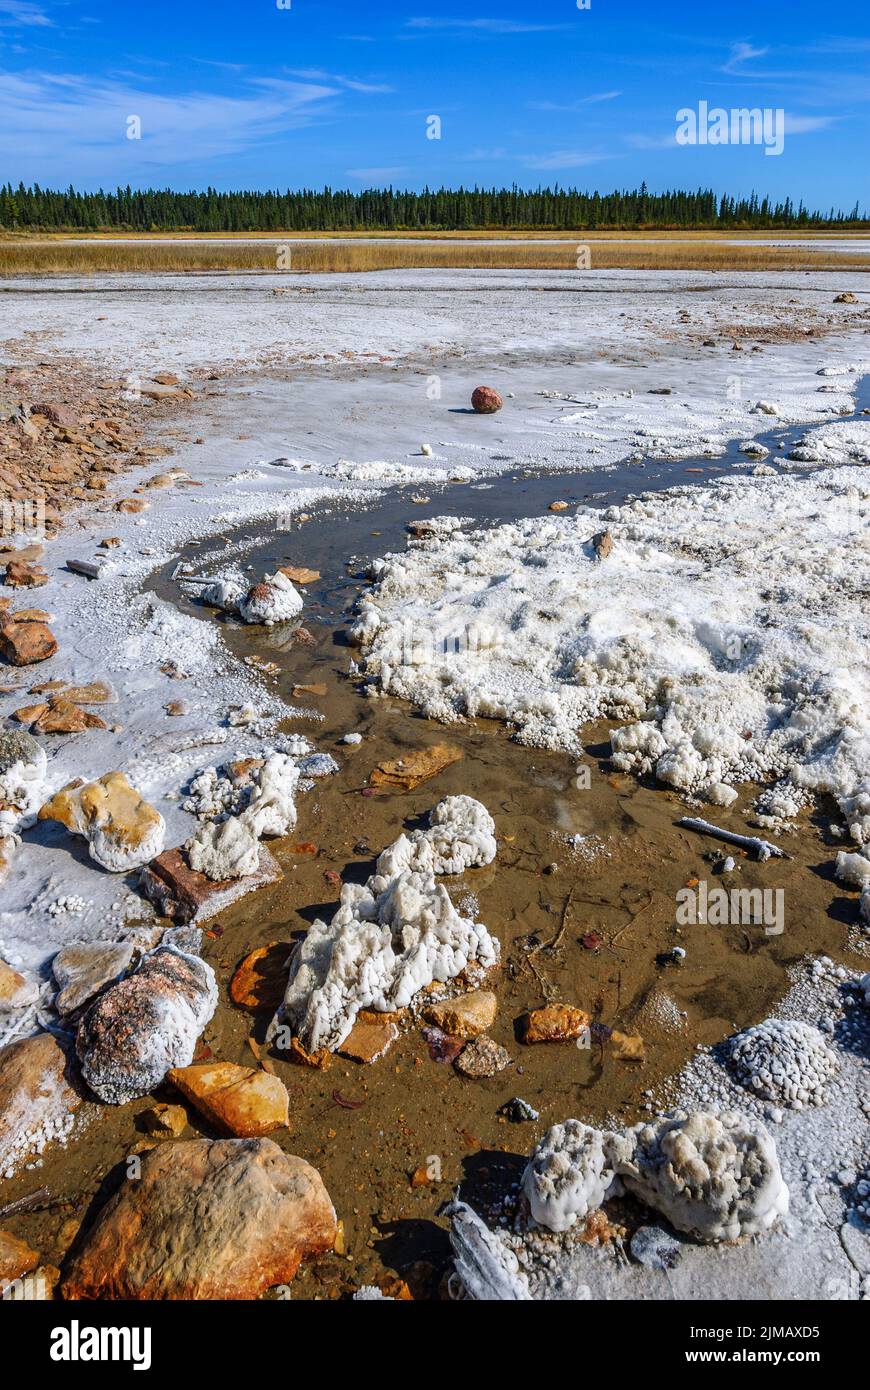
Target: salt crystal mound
864	987
461	835
852	869
274	600
727	628
263	797
784	1061
572	1171
487	1270
23	766
714	1177
388	939
224	850
140	1028
834	445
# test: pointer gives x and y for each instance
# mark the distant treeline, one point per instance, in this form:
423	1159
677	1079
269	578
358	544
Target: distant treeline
388	209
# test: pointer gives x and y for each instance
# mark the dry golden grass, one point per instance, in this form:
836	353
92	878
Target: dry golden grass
84	258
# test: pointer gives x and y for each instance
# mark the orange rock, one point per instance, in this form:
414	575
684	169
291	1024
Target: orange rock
304	847
64	717
408	772
391	1286
207	1219
20	575
371	1036
131	505
555	1023
24	644
627	1047
261	978
321	1059
238	1100
16	1257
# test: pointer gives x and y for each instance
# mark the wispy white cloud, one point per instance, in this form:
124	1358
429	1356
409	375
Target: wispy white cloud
378	174
56	126
742	53
23	12
561	159
577	105
804	125
351	84
485	26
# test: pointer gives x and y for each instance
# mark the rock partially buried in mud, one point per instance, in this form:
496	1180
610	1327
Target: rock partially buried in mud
122	830
555	1023
408	772
207	1219
371	1036
485	400
261	978
26	644
240	1101
482	1058
143	1026
37	1100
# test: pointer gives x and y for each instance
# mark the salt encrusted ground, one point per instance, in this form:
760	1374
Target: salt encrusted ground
572	350
822	1249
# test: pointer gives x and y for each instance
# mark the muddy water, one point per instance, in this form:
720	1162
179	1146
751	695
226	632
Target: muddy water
616	887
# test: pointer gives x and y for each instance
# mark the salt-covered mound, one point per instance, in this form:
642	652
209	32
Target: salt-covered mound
852	869
713	1177
832	445
389	938
274	600
572	1171
225	591
785	1061
727	628
461	835
223	850
143	1026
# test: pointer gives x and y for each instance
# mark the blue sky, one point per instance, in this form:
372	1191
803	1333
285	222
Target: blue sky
338	92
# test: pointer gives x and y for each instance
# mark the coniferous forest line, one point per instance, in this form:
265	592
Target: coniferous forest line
388	209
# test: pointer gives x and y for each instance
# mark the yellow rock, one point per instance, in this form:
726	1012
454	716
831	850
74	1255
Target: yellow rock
466	1016
124	832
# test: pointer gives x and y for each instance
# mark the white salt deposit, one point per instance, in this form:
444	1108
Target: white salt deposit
274	600
727	628
388	939
785	1061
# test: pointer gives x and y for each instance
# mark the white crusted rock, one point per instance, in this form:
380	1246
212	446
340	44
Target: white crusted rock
853	869
460	836
713	1177
274	600
123	830
486	1269
225	591
571	1172
784	1061
271	809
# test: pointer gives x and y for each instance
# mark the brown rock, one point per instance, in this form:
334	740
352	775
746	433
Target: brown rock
260	980
465	1017
23	576
627	1047
62	716
316	690
482	1058
30	615
558	506
36	1098
16	1258
25	644
485	400
847	297
602	544
82	969
186	896
408	772
207	1219
371	1036
555	1023
163	1121
56	414
237	1100
132	505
